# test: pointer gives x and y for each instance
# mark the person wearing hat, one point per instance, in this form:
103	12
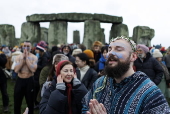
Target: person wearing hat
48	72
147	64
65	93
90	55
67	50
42	62
96	48
26	65
165	82
76	51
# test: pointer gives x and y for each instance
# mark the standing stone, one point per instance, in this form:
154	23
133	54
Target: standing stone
44	34
7	34
76	37
92	32
119	30
30	32
143	35
57	33
102	37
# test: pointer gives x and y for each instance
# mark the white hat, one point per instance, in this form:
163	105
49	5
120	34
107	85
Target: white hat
157	53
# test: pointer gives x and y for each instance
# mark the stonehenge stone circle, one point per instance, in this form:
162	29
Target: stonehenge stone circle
30	32
7	34
57	33
143	35
74	17
119	30
76	37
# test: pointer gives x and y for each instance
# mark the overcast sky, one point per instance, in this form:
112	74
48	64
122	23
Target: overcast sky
151	13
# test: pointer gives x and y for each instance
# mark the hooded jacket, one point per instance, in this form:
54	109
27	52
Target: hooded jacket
69	55
150	67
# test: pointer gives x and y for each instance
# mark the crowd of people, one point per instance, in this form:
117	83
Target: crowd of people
121	77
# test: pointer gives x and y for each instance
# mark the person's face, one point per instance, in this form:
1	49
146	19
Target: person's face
121	50
96	48
79	62
104	53
27	46
141	54
119	59
66	50
67	72
37	51
159	59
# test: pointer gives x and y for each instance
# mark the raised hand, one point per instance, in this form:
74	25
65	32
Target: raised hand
75	75
59	79
96	107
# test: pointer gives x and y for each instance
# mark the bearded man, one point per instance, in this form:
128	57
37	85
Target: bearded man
147	64
25	66
121	90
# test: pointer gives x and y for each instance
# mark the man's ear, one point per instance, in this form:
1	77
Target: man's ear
133	57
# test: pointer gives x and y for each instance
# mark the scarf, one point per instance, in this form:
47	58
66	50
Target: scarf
102	61
69	88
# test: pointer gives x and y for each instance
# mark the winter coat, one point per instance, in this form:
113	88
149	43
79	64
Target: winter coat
42	79
3	61
89	77
97	56
150	67
167	60
55	101
42	62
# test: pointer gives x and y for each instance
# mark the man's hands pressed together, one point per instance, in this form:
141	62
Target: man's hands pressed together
96	107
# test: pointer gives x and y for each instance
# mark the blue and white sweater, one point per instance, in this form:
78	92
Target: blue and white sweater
136	94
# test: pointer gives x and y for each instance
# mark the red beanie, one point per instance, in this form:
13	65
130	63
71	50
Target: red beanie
58	69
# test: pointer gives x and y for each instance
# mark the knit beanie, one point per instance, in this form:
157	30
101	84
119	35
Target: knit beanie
58	69
97	43
89	53
143	47
157	53
41	46
59	57
76	51
158	46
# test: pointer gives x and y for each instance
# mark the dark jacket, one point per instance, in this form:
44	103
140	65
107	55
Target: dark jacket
89	77
55	101
3	61
97	56
42	62
150	67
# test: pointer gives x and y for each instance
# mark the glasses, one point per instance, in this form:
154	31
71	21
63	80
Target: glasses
77	61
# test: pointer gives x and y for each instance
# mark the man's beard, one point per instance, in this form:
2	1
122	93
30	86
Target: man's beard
141	56
119	70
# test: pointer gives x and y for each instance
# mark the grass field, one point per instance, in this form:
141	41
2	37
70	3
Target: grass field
11	100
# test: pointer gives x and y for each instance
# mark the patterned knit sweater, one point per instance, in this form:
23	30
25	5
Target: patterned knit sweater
136	94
